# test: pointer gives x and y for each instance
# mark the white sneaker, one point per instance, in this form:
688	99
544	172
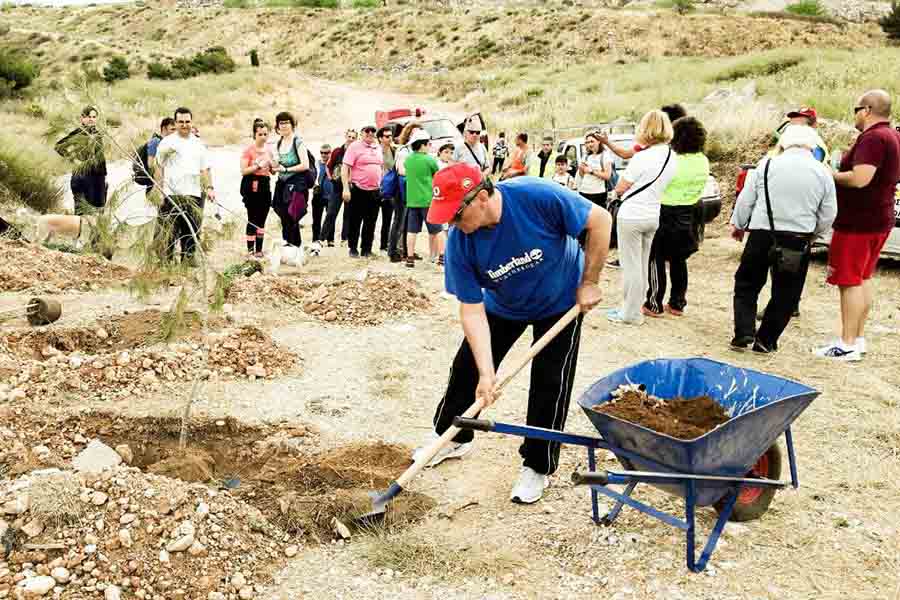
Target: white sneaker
861	345
451	450
837	351
530	486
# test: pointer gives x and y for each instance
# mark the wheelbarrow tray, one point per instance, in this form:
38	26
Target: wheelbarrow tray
760	406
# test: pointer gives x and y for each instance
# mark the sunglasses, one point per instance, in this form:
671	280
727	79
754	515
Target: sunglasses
856	109
473	132
457	216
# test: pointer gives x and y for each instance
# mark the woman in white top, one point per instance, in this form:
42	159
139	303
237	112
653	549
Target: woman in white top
594	171
641	187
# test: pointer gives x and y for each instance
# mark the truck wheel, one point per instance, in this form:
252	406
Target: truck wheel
753	502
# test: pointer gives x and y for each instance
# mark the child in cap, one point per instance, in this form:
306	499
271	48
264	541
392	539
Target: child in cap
445	156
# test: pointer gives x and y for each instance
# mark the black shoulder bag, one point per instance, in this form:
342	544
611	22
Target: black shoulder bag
785	260
614	205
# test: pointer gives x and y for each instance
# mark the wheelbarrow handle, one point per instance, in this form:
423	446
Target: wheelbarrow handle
473	424
590	478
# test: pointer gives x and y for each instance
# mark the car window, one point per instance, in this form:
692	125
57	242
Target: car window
441	128
572	155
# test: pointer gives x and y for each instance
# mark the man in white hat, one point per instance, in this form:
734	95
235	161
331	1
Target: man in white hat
471	151
786	202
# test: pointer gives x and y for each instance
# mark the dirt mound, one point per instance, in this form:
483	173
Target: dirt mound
192	465
269	290
100	372
122	332
367	302
30	267
682	418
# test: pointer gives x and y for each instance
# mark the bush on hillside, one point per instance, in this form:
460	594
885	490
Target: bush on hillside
16	72
254	58
23	179
214	60
683	7
890	23
116	70
808	8
366	3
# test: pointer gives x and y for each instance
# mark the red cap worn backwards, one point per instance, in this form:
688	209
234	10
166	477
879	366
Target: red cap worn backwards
805	111
450	187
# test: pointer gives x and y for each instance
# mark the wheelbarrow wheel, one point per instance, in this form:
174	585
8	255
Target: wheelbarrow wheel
753	502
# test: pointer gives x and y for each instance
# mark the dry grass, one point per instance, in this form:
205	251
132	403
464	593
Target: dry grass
428	552
55	499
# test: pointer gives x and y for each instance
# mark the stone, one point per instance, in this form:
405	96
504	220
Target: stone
123	359
128	518
340	530
101	333
124	450
38	586
238	581
256	371
163	556
33	528
79	439
291	551
99	498
112	592
202	510
331	315
197	549
61	574
96	457
125	538
246	593
215	596
184	538
17	505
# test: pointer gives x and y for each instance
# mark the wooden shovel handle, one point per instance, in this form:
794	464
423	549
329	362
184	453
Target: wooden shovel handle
476	408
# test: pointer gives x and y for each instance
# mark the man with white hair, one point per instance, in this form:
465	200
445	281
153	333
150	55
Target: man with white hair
786	202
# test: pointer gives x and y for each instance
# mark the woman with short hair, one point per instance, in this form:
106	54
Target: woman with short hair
256	191
678	235
641	187
397	240
291	189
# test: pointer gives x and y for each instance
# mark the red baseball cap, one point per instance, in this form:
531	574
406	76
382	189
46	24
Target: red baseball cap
805	111
451	185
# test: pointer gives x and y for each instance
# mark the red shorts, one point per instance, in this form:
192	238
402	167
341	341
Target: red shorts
852	257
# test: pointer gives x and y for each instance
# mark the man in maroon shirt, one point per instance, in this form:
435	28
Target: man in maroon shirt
866	184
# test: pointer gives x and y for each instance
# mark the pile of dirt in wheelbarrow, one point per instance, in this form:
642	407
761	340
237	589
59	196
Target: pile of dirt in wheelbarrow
31	267
682	418
369	301
223	514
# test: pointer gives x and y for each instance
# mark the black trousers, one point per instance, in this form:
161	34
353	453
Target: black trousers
749	280
319	202
552	375
257	213
498	165
362	214
290	227
176	226
88	190
599	200
397	239
387	211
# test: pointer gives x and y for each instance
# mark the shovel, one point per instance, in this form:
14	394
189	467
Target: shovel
380	500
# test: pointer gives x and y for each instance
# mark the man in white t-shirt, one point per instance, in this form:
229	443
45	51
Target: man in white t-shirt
182	164
472	151
641	187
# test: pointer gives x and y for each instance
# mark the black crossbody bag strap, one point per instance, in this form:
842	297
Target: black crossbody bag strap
645	186
768	202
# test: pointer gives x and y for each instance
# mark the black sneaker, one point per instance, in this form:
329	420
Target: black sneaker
613	264
741	344
795	314
354	253
366	255
760	348
395	258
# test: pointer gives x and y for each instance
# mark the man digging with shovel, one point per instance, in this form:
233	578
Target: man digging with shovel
512	260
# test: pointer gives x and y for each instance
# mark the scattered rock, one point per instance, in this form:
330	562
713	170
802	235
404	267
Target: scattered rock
99	498
61	574
183	538
238	581
33	528
96	457
256	371
124	450
112	592
291	551
38	586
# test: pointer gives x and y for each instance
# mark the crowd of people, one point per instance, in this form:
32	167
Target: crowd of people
793	196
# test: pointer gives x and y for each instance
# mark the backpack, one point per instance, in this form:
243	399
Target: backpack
141	167
308	177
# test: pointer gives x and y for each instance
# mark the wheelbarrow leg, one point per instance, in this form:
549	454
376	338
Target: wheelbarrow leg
697	566
792	459
592	466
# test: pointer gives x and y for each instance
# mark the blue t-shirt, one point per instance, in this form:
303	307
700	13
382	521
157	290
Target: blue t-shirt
529	265
152	145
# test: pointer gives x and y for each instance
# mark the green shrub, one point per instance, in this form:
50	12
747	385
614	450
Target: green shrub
890	23
116	70
366	3
157	70
23	180
236	4
757	67
683	6
254	58
302	3
16	72
808	8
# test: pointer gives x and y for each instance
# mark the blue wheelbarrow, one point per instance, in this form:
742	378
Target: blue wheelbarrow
735	467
